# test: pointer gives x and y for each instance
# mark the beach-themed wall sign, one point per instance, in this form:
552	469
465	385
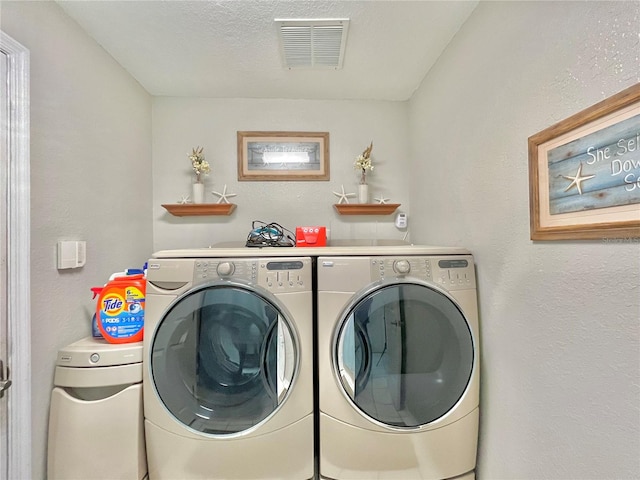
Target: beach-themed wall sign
584	173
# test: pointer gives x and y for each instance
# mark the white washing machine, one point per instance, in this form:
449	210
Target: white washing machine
228	377
398	362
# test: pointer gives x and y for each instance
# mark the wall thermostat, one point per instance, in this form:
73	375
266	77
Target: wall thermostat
401	220
71	254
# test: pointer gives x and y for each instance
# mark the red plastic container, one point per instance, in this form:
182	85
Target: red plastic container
311	236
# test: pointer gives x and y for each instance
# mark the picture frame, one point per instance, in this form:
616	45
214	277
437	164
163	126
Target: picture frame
584	173
283	156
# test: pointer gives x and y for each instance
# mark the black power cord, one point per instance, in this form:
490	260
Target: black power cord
269	235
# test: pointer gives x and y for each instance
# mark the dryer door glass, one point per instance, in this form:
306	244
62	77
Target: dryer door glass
404	354
223	358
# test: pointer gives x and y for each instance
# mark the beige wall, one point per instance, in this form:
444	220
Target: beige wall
179	124
559	320
90	180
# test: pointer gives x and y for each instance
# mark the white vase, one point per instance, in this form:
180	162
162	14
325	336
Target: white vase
363	193
198	192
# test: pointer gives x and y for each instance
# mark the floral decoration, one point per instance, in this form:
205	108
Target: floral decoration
363	163
199	164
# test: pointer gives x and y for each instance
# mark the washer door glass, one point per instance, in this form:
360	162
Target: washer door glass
223	358
404	354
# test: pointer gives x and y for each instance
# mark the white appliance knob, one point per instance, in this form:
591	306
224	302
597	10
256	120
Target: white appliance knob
401	266
225	269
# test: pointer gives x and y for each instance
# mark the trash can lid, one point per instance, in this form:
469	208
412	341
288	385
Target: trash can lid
97	352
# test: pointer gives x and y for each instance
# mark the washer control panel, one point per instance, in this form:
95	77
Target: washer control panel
210	269
451	272
274	274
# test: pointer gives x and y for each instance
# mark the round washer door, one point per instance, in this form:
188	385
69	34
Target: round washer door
403	353
223	358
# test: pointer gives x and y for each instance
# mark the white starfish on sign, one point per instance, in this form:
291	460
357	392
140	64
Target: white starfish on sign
344	197
185	199
224	196
577	180
382	200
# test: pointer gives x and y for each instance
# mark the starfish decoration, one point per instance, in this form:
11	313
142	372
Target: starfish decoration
185	199
224	196
382	200
577	180
344	197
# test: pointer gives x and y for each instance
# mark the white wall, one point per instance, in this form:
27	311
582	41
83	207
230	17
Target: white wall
559	320
179	124
90	180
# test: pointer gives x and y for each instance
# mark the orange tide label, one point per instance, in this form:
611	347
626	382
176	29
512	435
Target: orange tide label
113	304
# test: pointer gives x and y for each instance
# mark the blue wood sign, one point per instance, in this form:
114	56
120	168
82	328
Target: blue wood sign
584	173
599	170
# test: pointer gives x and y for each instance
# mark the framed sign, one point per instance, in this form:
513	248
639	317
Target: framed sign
584	173
283	156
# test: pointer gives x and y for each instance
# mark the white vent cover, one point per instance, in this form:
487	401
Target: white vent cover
313	43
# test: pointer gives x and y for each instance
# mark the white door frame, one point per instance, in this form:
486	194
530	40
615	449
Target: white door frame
18	261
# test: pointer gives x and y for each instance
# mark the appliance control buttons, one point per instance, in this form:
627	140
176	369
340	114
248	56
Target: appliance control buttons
428	269
401	266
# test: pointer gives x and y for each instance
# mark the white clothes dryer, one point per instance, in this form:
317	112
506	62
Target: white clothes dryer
398	361
228	376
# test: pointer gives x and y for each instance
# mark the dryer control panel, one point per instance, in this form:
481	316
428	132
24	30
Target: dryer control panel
278	275
450	272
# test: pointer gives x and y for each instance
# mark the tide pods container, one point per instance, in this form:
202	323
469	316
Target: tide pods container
120	309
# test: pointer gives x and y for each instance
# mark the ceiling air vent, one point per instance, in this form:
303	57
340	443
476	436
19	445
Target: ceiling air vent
313	43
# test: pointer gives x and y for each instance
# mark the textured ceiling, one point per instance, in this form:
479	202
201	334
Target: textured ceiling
230	49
